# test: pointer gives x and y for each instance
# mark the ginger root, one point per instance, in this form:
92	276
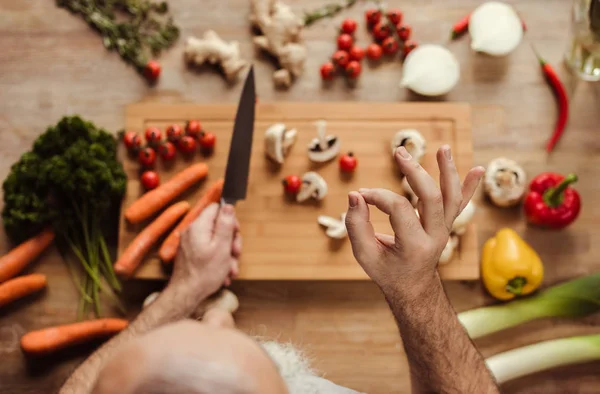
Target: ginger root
213	49
280	36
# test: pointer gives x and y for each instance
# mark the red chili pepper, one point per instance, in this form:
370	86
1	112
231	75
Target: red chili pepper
561	98
551	201
462	26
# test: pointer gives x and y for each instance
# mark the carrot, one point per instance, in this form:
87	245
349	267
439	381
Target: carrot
17	259
137	249
16	288
48	340
168	249
154	200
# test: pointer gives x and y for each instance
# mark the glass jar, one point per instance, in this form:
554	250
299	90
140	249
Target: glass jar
583	54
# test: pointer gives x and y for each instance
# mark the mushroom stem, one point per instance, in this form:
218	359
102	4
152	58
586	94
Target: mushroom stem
322	133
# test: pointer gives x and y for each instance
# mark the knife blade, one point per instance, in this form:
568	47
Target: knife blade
238	162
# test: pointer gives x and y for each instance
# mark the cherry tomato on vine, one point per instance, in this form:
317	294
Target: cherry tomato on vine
345	41
150	180
408	47
193	128
353	69
147	157
390	45
167	150
374	51
341	58
348	26
327	71
174	132
372	16
292	184
187	144
153	135
132	140
152	70
207	141
348	162
394	16
356	53
403	32
381	31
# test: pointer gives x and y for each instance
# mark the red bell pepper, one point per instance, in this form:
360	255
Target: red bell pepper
551	201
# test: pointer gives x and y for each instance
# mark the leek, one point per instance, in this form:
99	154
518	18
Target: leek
544	355
578	297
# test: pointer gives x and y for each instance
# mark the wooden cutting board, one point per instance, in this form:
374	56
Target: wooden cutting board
282	239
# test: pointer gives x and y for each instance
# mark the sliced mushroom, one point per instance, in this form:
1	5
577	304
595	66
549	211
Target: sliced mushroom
324	147
412	140
278	141
313	186
459	227
409	193
504	182
336	228
448	251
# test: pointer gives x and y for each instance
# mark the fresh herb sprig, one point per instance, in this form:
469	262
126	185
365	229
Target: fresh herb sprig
136	29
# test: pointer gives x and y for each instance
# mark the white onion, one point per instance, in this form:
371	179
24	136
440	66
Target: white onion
495	29
430	70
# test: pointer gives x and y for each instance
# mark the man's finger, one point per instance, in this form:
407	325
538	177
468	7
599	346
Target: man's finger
236	246
385	239
402	215
360	229
450	185
202	227
225	225
426	190
470	185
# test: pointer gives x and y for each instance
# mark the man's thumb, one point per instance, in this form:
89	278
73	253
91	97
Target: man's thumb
360	229
225	223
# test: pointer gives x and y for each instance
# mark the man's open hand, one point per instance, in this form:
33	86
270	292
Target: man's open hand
209	250
411	255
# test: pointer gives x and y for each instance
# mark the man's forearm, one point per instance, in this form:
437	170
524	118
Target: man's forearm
172	305
440	354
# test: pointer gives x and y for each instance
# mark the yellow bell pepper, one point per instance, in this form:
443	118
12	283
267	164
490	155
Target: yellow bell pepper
509	266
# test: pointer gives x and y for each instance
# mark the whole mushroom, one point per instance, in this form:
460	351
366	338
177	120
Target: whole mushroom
278	141
412	140
459	227
448	251
324	147
504	182
313	186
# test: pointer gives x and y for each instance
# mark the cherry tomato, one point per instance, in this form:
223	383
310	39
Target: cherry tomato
374	51
348	26
394	16
353	69
187	144
132	140
345	41
152	70
357	53
207	140
174	132
150	180
327	71
194	128
381	31
147	157
372	16
167	150
390	45
153	135
408	47
348	162
292	184
403	32
341	58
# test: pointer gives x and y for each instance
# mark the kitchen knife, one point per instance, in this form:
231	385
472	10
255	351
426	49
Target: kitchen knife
238	162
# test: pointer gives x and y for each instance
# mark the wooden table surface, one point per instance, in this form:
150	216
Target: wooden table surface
52	64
